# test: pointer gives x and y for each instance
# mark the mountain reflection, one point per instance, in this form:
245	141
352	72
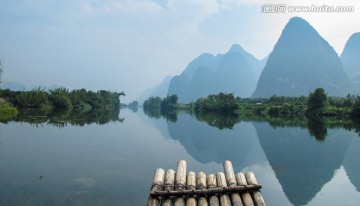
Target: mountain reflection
301	164
352	164
63	118
304	154
209	144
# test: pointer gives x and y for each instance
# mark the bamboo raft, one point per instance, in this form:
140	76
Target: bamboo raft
224	188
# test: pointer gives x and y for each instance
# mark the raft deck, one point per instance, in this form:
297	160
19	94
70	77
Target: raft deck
225	188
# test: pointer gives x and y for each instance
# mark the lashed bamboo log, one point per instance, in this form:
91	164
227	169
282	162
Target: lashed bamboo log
180	181
258	198
245	196
221	181
211	183
191	185
231	182
157	185
168	186
201	185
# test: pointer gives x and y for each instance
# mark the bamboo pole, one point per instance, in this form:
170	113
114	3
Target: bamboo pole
245	196
229	173
231	182
221	181
180	181
157	185
179	202
201	185
167	202
180	178
211	183
168	186
191	185
258	198
169	180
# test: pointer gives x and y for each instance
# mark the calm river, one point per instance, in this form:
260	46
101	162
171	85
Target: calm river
112	162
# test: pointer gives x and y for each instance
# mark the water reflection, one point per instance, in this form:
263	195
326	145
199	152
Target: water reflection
304	154
112	164
209	144
352	164
219	120
158	113
317	128
301	164
61	118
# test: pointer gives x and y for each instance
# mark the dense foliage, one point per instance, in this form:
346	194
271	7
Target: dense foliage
6	110
316	104
317	100
166	107
62	98
166	104
152	103
220	103
356	107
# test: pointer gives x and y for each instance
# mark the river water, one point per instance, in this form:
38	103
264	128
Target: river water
112	162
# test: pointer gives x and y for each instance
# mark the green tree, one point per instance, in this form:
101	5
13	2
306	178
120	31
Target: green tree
133	104
316	101
169	103
152	103
356	107
80	99
219	103
33	98
60	98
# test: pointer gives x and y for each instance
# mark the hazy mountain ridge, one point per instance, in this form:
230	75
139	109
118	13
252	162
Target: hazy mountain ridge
300	62
233	72
159	90
14	86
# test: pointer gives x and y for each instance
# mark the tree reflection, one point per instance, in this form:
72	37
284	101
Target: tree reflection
65	117
317	128
157	113
219	120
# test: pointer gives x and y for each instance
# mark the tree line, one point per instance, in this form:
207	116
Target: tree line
316	104
62	98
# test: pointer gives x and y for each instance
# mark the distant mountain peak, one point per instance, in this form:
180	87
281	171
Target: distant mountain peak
353	43
297	20
351	55
236	48
299	29
357	35
298	23
300	62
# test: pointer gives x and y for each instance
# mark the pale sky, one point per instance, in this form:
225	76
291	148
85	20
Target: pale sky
131	45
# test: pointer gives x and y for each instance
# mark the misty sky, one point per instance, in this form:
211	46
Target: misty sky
131	45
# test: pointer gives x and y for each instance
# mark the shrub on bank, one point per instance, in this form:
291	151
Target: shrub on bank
7	111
